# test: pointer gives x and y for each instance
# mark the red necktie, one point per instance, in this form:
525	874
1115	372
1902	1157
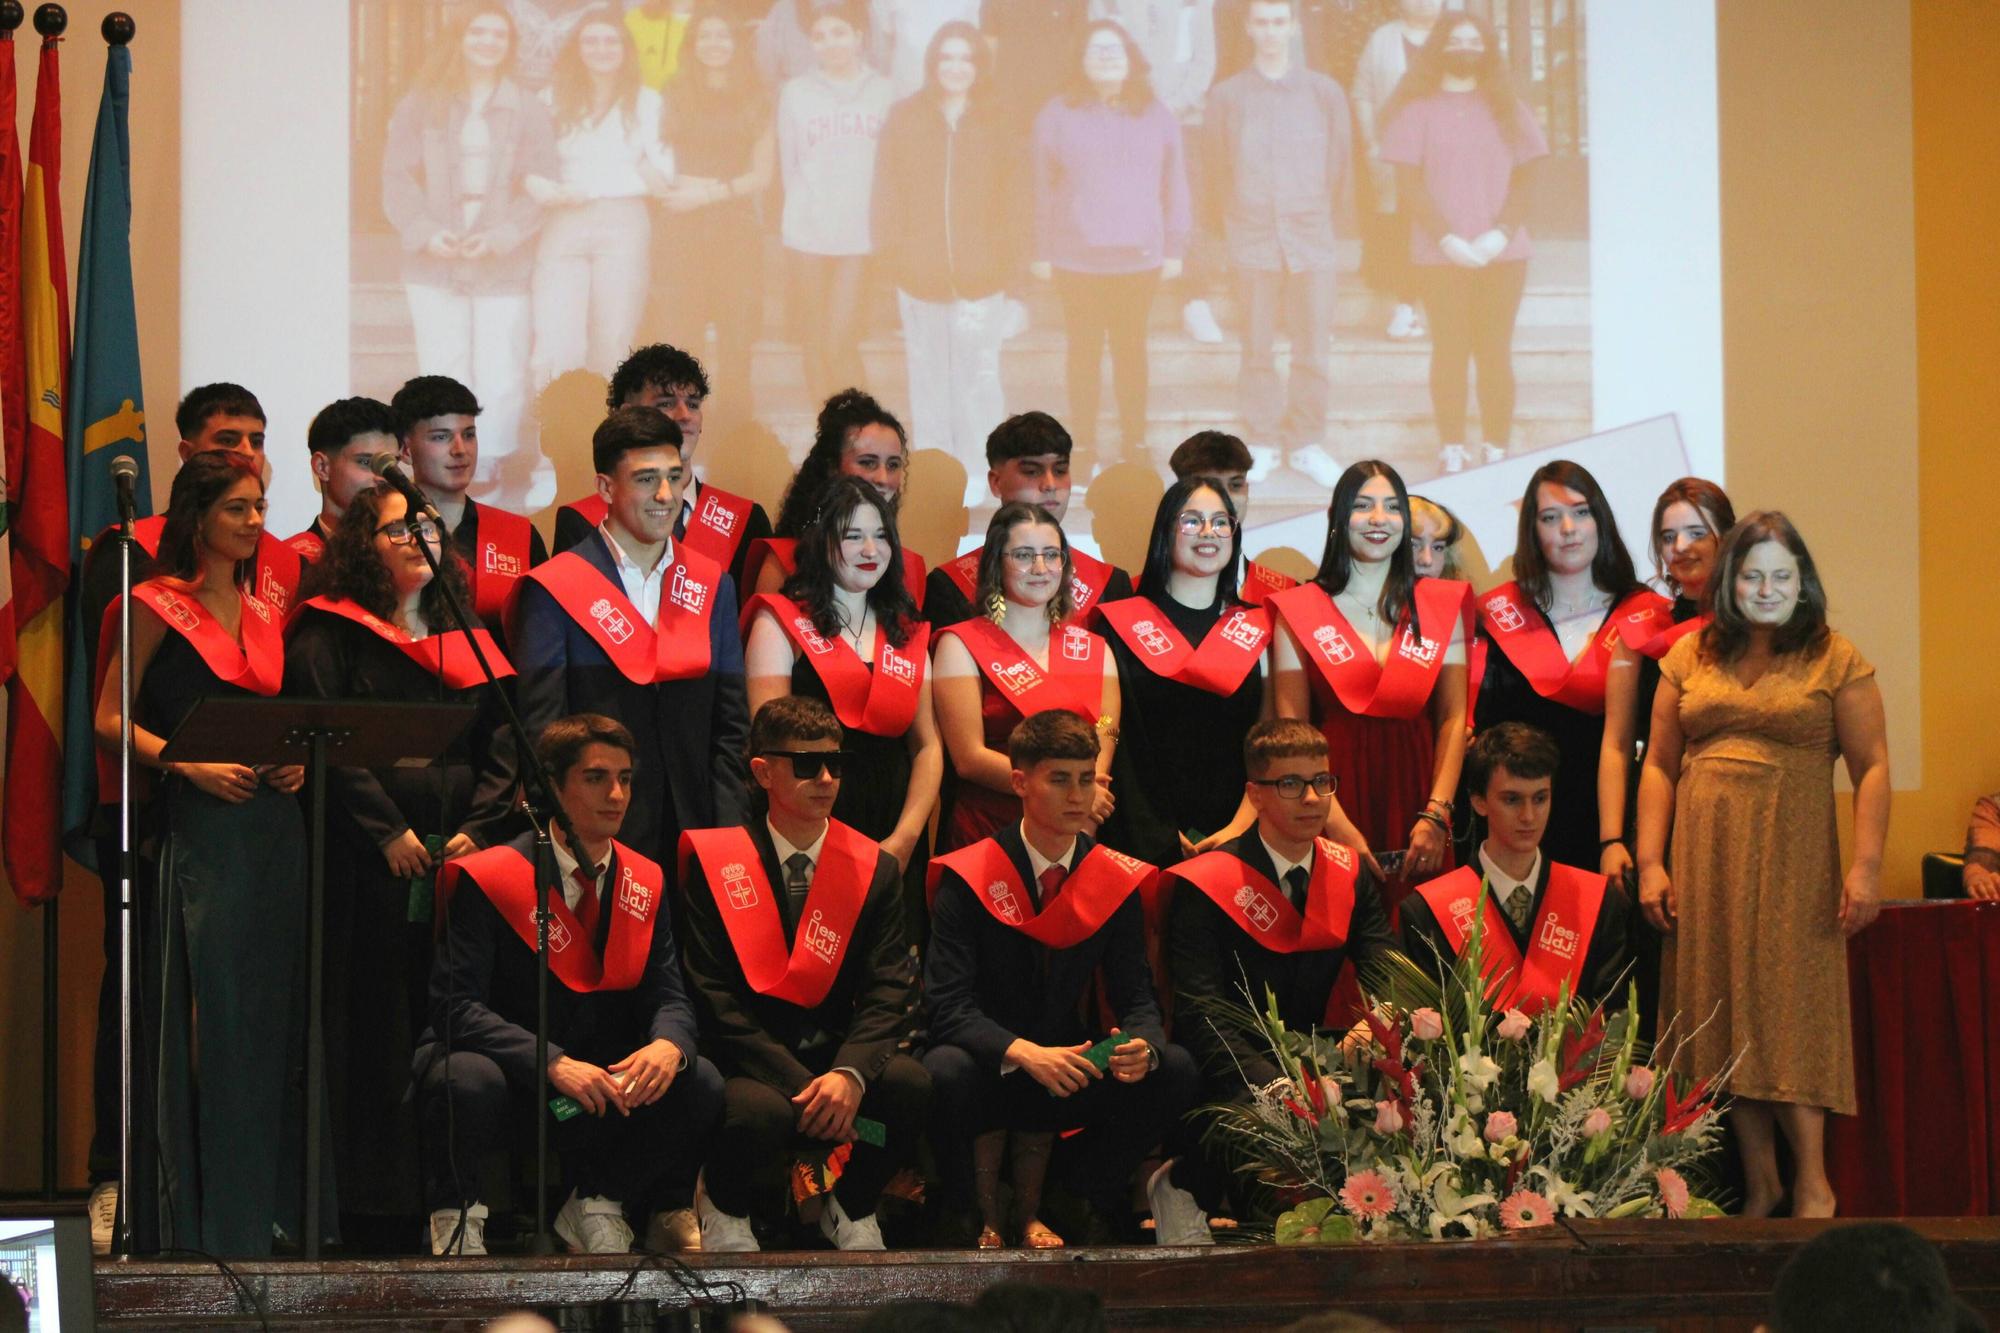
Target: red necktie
586	906
1051	881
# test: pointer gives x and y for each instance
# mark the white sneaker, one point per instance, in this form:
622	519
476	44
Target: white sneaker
1177	1218
723	1233
1317	463
1492	453
1402	321
103	1208
1198	319
1263	458
845	1232
1453	458
595	1225
447	1238
1013	319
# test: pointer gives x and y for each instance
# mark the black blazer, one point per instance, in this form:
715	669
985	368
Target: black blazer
690	771
572	528
986	983
857	1025
1212	957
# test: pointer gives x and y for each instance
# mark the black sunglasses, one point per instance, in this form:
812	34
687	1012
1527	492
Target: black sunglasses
806	764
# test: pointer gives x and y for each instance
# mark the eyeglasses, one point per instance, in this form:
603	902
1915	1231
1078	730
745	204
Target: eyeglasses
399	530
806	764
1192	523
1293	787
1023	557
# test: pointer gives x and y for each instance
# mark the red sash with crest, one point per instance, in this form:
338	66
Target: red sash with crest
309	544
749	907
1557	946
1532	646
1097	887
448	655
274	575
1074	678
507	878
716	523
1667	635
1089	578
881	701
591	509
964	573
1264	911
1228	652
1261	583
499	559
1397	688
785	551
678	649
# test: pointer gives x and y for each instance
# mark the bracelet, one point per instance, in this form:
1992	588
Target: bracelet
1602	843
1435	818
1442	804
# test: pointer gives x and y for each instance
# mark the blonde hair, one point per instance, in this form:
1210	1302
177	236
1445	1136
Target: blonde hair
1435	515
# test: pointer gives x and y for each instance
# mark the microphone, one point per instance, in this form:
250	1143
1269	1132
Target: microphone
384	466
125	476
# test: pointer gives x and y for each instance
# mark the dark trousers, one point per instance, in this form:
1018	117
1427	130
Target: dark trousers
828	320
646	1160
1204	1168
1471	313
1100	308
1121	1122
753	1154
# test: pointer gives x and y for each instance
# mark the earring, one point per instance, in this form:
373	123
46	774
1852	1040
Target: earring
996	606
1054	610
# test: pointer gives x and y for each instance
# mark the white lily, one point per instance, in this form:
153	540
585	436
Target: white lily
1543	1082
1480	1070
1574	1202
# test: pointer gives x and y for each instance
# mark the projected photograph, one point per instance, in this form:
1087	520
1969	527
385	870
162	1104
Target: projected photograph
1338	229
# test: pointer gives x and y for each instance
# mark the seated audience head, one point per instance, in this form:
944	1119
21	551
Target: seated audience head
852	545
220	416
1367	522
640	475
372	559
1053	754
795	758
1567	528
1027	459
1765	585
1289	784
589	759
1866	1277
856	437
216	508
663	376
1434	536
344	437
1033	1307
436	421
1025	563
1689	520
1196	536
1220	458
1510	771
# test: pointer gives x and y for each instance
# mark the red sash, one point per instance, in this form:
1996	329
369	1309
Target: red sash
507	878
1397	688
964	573
1560	942
678	649
146	532
257	664
1265	912
1074	678
716	524
1228	652
591	509
785	551
1532	646
1099	886
274	576
1089	578
1656	647
1260	583
446	655
309	544
882	701
749	908
506	545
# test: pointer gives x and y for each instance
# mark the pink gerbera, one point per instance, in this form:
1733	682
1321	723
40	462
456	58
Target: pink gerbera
1367	1195
1673	1191
1523	1209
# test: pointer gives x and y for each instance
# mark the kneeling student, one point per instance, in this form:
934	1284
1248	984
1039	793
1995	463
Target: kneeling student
1022	924
800	967
621	1028
1544	924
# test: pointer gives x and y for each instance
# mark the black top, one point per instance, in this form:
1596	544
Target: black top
1605	963
877	774
943	219
176	680
1642	720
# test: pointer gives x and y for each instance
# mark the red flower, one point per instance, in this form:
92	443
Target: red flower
1576	1050
1681	1114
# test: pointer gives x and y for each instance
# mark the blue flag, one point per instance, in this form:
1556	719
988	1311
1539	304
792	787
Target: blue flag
106	410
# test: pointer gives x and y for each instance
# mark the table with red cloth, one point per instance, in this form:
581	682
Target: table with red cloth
1926	997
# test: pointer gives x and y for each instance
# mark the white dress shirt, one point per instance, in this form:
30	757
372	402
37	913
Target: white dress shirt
1502	885
1286	866
566	867
1037	863
643	586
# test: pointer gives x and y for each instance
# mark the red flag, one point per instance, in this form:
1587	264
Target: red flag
13	366
40	531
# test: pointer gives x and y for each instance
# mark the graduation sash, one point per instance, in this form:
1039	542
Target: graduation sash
716	523
1399	687
507	878
677	649
1089	578
1530	643
1667	635
785	551
964	573
1097	887
446	655
1264	910
1228	652
591	509
274	575
309	544
1074	678
749	907
1261	582
882	701
146	532
1557	946
257	664
499	559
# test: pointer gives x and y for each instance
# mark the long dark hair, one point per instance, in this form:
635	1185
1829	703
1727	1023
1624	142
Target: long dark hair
819	547
1707	499
691	104
1159	568
353	570
443	77
1727	636
982	59
993	557
1336	562
570	96
844	414
1610	569
198	487
1426	75
1135	96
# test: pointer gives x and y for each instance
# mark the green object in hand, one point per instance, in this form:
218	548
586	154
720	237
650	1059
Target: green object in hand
565	1107
423	888
1100	1054
869	1131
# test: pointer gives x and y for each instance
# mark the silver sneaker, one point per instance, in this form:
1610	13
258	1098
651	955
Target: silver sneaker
1177	1218
723	1233
595	1225
845	1232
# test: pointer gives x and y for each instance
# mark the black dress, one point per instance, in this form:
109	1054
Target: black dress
1646	940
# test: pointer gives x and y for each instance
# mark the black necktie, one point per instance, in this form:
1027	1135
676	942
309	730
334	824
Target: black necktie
1295	886
798	880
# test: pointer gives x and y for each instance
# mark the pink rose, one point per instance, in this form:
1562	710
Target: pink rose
1388	1118
1514	1026
1638	1083
1426	1025
1500	1126
1596	1123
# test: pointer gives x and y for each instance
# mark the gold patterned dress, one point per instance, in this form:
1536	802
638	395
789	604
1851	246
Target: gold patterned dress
1757	960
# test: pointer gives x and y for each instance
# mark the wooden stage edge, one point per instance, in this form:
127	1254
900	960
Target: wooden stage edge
1632	1275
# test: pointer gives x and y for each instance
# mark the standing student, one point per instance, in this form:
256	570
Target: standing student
1465	148
1225	462
344	438
1548	637
1385	219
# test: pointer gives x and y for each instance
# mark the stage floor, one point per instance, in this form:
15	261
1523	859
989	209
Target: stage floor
1679	1276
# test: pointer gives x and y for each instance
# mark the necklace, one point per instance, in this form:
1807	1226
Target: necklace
856	630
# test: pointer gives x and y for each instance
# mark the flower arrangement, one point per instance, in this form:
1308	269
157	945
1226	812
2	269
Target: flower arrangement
1447	1116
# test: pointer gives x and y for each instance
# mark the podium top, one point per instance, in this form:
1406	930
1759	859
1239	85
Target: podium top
360	733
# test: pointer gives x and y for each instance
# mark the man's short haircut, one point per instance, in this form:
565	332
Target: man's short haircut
429	396
1874	1275
1027	435
654	366
1209	453
1281	738
1053	733
564	740
336	424
209	400
787	720
629	428
1525	751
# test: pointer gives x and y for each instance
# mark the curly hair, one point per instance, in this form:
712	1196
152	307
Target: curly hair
199	486
843	415
992	559
819	548
353	570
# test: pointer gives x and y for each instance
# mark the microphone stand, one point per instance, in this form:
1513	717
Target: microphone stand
127	877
